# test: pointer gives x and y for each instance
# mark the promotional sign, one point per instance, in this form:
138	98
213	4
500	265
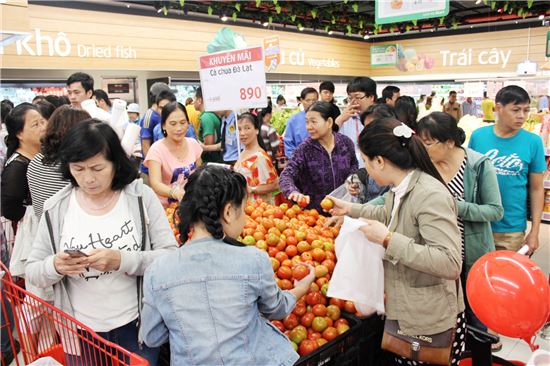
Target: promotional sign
474	90
272	53
548	44
385	55
393	11
233	80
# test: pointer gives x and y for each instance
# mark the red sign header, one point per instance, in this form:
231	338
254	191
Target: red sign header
231	58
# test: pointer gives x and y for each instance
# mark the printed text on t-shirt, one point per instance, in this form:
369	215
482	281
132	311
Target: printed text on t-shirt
507	164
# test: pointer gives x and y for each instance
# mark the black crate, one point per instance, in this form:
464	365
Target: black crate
342	350
370	341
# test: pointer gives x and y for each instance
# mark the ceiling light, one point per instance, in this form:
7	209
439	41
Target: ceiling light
478	2
128	6
431	30
330	33
471	26
265	24
300	28
224	18
541	17
366	36
159	10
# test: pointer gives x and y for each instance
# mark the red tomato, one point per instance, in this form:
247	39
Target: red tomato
281	256
338	302
300	272
299	310
307	346
291	250
340	321
319	310
284	272
279	325
349	307
318	254
319	324
333	312
272	251
330	333
313	298
291	321
307	319
286	285
329	263
314	336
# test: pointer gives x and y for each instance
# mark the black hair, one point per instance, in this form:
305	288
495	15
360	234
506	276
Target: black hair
165	95
100	94
280	98
38	98
327	85
388	92
307	91
169	109
377	111
263	112
512	94
484	94
257	123
15	123
45	108
188	101
378	139
89	138
323	108
405	109
198	93
364	85
64	100
442	127
5	108
207	192
452	92
62	120
86	80
55	100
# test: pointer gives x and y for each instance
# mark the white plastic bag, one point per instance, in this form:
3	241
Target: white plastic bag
359	272
45	361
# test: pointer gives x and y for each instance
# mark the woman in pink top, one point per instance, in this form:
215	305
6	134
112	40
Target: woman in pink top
172	159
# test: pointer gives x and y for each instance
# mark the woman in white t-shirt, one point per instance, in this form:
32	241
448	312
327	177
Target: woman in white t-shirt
172	159
96	238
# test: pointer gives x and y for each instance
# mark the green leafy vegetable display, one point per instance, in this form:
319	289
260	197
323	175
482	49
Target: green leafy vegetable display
280	117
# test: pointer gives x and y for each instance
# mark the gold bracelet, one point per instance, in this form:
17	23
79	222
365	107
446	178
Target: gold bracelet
387	239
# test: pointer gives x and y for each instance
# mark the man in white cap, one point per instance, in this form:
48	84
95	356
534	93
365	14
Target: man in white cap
133	112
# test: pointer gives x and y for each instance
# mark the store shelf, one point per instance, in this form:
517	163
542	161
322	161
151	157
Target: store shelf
547	184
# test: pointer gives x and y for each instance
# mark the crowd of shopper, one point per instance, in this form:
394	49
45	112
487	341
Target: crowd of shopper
90	222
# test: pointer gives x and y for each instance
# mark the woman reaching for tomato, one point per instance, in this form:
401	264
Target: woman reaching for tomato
321	163
214	296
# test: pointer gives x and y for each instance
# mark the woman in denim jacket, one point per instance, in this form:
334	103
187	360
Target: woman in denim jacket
214	297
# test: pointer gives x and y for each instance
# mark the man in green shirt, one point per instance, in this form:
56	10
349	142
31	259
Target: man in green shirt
209	131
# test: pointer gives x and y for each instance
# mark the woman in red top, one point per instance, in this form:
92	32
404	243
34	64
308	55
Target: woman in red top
254	163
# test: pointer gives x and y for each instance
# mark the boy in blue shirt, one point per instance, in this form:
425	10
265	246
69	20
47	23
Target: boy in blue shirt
518	157
295	132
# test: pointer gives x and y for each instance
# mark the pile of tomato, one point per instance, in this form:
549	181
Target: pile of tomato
292	237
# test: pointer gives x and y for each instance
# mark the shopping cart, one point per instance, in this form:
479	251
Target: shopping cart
61	337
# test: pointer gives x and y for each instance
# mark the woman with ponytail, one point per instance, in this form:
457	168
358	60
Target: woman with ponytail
26	127
418	229
471	178
254	162
214	297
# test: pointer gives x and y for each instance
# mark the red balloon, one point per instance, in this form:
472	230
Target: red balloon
510	294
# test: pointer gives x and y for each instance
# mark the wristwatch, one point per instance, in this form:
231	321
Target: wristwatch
253	190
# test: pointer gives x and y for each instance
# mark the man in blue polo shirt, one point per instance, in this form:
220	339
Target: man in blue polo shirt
518	157
295	132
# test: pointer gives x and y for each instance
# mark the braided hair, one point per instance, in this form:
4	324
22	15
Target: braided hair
207	192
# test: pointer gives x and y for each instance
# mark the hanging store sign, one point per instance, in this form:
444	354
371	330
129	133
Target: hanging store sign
385	55
394	11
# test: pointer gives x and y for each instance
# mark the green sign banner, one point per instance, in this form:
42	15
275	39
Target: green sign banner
548	44
385	55
394	11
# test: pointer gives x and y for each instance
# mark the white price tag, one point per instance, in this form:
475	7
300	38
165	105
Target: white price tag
232	80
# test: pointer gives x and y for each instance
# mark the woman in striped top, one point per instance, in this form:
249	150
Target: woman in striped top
43	174
472	180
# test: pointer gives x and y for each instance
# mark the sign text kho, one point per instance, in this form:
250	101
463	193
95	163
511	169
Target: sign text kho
232	80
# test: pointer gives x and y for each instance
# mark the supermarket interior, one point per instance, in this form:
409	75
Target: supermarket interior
238	66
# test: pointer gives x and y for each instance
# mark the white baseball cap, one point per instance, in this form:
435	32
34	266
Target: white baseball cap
133	108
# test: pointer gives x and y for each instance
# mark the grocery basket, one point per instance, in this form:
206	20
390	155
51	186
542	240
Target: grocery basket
69	342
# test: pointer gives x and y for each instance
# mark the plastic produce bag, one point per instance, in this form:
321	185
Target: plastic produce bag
45	361
359	272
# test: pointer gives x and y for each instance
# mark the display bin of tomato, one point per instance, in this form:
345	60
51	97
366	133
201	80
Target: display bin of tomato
342	350
371	329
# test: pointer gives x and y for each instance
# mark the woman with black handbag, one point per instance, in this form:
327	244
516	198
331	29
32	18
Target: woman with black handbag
417	226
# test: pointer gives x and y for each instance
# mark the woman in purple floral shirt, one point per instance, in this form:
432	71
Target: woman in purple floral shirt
321	163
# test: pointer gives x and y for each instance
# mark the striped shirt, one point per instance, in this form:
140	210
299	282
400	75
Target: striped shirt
44	182
271	140
456	186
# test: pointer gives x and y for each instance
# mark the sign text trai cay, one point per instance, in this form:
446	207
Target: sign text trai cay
466	57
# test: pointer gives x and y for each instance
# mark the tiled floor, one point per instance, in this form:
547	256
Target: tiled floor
515	349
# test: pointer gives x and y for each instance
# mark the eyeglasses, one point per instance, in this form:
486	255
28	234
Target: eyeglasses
352	99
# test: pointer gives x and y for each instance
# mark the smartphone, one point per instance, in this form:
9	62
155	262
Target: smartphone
75	253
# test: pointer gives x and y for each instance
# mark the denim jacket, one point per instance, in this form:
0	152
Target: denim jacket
212	301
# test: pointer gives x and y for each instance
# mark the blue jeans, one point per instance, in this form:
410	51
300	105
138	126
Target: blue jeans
125	336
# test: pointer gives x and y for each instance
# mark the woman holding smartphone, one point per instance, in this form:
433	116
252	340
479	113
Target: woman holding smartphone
96	238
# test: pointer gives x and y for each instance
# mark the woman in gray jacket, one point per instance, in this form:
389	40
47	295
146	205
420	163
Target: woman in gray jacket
96	238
